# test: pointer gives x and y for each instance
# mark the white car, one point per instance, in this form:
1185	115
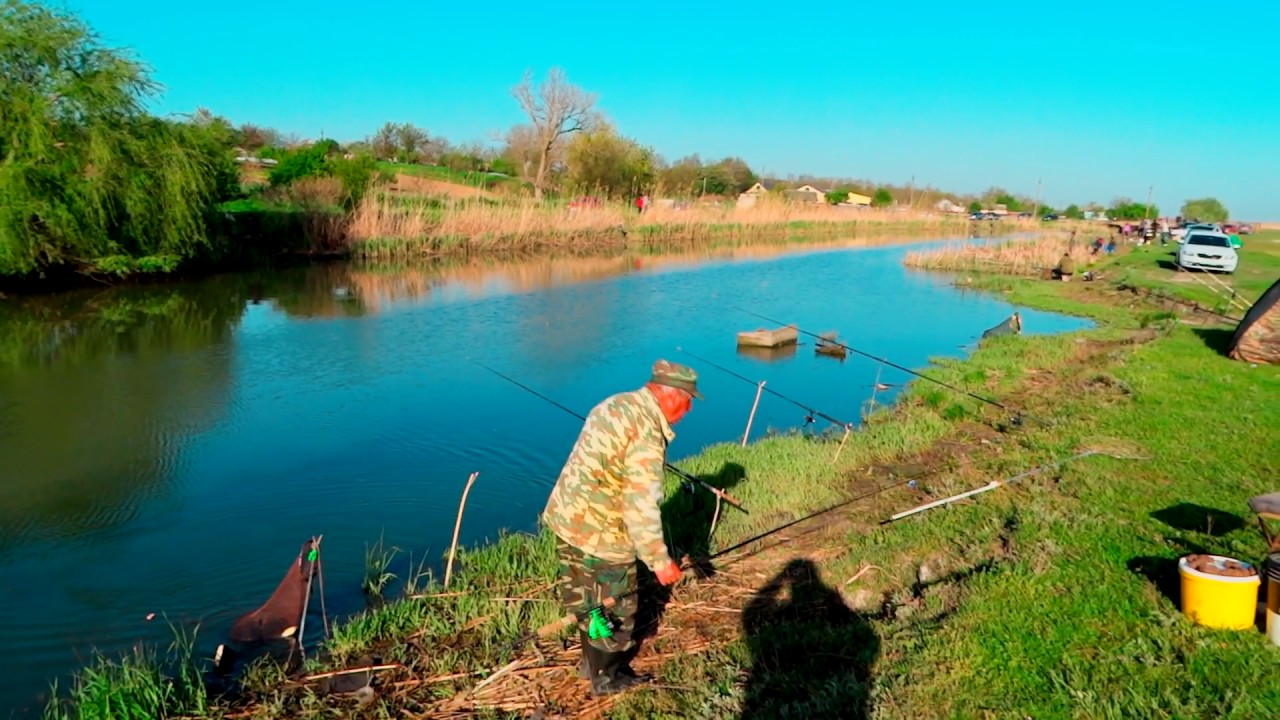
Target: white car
1180	234
1205	250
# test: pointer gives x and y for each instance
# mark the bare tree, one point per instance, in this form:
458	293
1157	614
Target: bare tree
555	108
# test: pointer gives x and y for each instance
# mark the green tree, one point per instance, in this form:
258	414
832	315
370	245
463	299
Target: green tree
297	164
87	177
975	206
1073	212
1206	210
602	161
1125	209
882	198
715	180
1011	203
741	176
684	177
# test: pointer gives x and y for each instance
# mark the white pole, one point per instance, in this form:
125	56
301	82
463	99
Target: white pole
752	416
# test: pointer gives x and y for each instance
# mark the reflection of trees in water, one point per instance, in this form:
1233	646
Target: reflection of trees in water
98	388
379	284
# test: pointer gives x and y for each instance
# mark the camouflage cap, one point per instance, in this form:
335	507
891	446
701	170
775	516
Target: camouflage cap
676	375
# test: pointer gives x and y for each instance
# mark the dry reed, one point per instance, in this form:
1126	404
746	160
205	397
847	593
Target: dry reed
387	225
1013	257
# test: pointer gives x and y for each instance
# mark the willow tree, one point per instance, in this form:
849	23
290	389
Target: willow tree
87	177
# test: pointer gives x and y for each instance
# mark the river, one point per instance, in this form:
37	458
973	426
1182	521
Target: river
166	449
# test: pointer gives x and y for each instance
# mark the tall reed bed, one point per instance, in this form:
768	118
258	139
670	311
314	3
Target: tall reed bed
388	225
1013	257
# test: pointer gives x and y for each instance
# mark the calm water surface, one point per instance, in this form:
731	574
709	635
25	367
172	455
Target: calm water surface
168	449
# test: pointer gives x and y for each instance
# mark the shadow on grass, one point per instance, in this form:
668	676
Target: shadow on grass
1198	518
1162	573
811	655
1216	339
687	515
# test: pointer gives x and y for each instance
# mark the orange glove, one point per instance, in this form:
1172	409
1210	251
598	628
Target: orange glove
669	574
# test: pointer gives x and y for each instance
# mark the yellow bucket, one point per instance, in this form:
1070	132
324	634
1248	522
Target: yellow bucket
1219	601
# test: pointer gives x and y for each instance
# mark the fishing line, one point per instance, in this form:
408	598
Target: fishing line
686	477
884	361
690	563
767	389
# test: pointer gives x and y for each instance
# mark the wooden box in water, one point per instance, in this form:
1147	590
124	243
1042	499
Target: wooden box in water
769	338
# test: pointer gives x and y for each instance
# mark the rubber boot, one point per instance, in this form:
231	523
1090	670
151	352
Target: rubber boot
610	672
584	669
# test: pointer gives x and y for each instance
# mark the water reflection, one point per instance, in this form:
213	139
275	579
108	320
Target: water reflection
97	390
768	354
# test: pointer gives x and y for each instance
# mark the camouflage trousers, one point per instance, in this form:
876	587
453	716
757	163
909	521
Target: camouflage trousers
585	581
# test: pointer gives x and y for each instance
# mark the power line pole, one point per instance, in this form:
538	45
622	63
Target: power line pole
1147	210
1035	212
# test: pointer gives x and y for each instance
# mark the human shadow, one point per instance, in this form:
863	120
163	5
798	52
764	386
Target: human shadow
687	515
811	654
1216	339
1198	518
1162	573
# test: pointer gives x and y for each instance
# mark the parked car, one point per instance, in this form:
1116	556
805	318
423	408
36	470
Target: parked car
1179	234
1246	229
1049	218
1205	250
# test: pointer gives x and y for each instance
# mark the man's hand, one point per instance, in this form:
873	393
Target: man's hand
669	574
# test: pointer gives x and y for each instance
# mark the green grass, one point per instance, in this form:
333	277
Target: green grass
1151	267
139	686
1051	597
471	178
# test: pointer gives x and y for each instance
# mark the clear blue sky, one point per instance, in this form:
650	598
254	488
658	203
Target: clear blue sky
1096	99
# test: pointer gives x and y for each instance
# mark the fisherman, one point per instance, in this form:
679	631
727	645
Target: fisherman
1066	268
604	511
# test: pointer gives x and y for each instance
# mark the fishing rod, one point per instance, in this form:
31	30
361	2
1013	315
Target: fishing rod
811	412
1016	413
686	477
599	625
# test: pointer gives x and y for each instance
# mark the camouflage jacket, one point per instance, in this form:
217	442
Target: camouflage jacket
606	500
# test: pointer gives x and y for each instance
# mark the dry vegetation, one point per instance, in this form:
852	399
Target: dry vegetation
386	225
1013	257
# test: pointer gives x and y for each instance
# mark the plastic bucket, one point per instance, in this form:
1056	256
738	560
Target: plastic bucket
1219	601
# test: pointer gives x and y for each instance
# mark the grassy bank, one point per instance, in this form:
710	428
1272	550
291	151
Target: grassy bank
1055	596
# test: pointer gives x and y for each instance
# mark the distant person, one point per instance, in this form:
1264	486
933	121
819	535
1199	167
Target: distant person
1066	268
1111	246
1096	247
